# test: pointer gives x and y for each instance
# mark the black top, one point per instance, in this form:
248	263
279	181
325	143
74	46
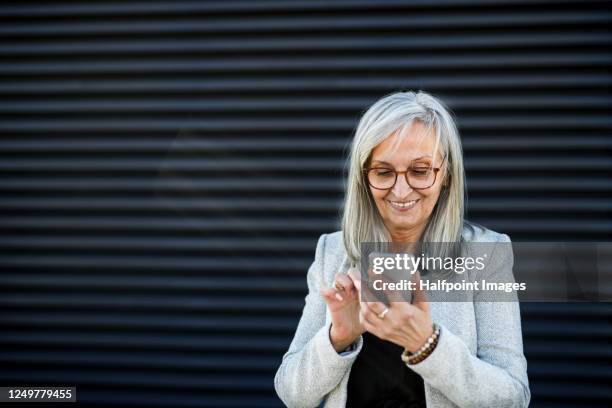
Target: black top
380	379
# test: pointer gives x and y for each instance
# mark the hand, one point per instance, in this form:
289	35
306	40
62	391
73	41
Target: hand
405	324
343	302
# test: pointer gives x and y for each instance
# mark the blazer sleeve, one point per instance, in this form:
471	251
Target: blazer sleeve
311	368
497	375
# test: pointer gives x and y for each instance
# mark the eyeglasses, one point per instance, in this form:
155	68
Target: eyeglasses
418	176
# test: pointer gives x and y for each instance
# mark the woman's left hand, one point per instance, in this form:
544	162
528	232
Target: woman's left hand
406	324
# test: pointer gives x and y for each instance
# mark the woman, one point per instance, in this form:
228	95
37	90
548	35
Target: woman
406	185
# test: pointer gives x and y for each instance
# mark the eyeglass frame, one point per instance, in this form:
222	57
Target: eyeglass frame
405	172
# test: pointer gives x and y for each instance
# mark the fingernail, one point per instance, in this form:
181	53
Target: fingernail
339	297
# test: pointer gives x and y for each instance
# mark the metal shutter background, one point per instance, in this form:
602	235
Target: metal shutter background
166	168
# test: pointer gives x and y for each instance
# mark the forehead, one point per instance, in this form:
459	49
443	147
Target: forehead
408	143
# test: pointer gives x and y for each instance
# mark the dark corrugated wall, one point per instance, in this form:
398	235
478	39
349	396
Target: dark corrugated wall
166	168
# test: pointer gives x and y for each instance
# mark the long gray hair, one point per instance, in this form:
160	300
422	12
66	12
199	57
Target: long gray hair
361	221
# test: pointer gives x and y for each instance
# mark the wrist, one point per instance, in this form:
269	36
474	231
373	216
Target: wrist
339	343
425	350
425	336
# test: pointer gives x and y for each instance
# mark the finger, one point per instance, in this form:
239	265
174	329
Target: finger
354	274
357	284
419	296
371	328
368	315
343	283
343	286
369	321
376	307
366	288
331	294
362	321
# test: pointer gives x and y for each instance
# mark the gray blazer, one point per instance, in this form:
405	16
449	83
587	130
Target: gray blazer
478	361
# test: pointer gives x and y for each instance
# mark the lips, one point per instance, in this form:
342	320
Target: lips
403	205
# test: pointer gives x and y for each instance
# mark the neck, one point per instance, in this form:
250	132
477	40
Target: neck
407	235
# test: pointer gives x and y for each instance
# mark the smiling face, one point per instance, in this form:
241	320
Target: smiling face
404	210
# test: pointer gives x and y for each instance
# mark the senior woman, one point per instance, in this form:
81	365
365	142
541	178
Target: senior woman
405	185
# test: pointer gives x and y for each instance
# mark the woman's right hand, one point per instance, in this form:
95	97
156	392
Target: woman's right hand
343	302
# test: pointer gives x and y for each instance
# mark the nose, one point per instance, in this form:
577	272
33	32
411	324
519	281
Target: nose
401	188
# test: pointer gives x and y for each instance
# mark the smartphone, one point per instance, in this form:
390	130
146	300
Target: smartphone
387	277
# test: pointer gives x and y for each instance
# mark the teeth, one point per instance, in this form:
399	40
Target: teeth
403	205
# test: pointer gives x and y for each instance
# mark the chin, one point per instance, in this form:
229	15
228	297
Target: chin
403	222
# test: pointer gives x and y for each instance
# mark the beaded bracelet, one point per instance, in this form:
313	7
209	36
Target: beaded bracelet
427	348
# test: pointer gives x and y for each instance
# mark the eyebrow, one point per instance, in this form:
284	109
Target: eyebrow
418	158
